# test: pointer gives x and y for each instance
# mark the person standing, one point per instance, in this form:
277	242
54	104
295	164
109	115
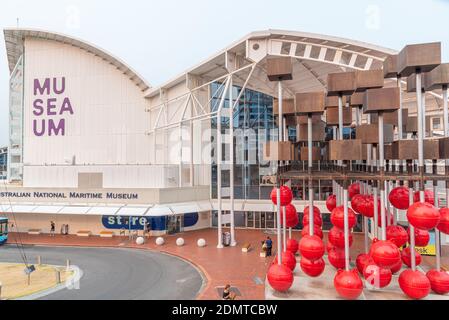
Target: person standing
52	228
269	244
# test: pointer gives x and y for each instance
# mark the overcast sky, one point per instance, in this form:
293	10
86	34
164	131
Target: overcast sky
162	38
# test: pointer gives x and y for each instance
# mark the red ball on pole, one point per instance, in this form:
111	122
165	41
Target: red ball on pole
348	284
406	256
443	225
286	196
317	231
439	281
362	261
292	246
311	247
428	197
423	216
280	277
288	260
336	257
379	218
399	198
414	284
422	237
317	219
312	268
336	236
376	276
331	202
398	235
385	253
369	209
358	204
337	217
291	216
397	267
353	190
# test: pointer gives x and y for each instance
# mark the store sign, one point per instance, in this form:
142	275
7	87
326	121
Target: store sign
70	195
50	107
430	249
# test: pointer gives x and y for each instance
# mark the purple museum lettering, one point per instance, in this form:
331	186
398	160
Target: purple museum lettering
51	104
35	130
56	130
40	88
66	106
38	108
55	86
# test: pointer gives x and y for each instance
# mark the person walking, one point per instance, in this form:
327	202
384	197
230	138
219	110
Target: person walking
52	228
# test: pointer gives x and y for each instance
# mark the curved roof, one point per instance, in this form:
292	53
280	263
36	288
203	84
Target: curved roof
14	47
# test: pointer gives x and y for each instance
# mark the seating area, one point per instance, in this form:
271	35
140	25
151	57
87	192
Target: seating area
84	233
107	234
34	231
246	247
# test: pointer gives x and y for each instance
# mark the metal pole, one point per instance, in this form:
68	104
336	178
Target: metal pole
284	229
382	169
346	225
278	193
231	172
340	116
309	140
192	172
400	123
180	157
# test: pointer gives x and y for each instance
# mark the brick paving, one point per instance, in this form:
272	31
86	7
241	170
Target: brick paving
246	271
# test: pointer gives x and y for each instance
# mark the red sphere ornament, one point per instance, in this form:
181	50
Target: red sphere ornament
286	196
423	216
422	237
317	231
291	216
313	268
398	235
348	284
358	203
337	218
369	210
376	276
385	253
280	277
336	257
317	219
406	256
443	226
288	260
331	202
379	219
337	237
292	246
353	190
428	197
414	284
399	198
362	261
311	247
439	281
397	267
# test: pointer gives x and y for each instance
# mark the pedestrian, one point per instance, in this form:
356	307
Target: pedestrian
227	294
52	228
269	244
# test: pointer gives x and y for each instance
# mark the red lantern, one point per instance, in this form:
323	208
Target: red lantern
348	284
422	237
397	267
376	276
423	216
439	281
443	226
286	196
317	220
406	256
428	197
362	261
288	260
385	253
311	247
400	198
337	218
280	277
312	268
358	203
292	246
337	237
316	211
397	235
317	231
414	284
291	216
369	210
331	202
336	257
353	190
379	219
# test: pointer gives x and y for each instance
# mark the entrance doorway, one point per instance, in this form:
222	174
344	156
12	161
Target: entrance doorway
174	224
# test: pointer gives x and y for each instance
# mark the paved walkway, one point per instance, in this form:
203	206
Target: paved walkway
246	271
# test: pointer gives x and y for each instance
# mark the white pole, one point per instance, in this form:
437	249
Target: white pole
400	123
309	140
346	225
281	135
231	173
180	157
192	172
382	168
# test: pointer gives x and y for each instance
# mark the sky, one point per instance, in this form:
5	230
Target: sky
160	39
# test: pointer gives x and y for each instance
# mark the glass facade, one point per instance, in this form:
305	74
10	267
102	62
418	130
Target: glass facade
15	151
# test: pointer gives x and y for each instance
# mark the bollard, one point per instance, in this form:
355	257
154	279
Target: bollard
58	276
